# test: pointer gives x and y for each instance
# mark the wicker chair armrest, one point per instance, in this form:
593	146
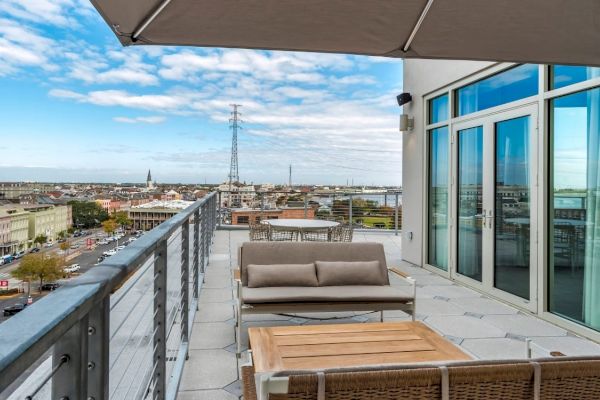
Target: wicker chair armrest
237	275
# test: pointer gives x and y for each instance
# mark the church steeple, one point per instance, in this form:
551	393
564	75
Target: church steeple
149	183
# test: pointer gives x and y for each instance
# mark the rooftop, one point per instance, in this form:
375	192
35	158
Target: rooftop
481	326
169	204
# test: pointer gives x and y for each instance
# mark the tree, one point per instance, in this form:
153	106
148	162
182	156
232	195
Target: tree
39	266
109	226
40	239
87	214
122	219
62	234
64	246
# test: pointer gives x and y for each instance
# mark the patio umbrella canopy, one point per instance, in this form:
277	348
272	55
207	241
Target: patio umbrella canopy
536	31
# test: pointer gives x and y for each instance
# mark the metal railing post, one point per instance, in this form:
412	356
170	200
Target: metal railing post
202	239
70	360
185	282
196	258
305	205
159	377
207	236
219	210
98	350
350	209
396	216
262	202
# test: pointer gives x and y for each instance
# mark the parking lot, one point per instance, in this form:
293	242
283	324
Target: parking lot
86	260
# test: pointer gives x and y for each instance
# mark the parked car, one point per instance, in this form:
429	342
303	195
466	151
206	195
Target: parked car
72	268
102	242
49	244
50	286
74	246
15	308
110	253
34	250
18	254
7	259
119	247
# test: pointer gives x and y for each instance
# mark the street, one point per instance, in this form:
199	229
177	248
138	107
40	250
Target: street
86	260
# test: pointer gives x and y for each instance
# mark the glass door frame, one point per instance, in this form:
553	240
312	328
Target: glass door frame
488	122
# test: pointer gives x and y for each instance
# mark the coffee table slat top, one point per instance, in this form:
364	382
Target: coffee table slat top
347	345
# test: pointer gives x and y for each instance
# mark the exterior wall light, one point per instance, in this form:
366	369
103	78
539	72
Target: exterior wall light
406	123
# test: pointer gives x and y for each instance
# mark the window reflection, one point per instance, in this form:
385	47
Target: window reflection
575	215
565	75
514	84
438	109
511	272
438	198
470	197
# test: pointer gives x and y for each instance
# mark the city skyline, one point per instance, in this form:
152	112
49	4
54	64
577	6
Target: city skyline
77	107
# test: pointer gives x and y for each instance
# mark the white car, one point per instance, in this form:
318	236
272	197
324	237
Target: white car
103	242
49	244
120	247
72	268
110	253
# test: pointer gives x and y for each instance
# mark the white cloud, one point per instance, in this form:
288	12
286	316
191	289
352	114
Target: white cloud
21	46
54	12
146	120
270	66
124	99
94	68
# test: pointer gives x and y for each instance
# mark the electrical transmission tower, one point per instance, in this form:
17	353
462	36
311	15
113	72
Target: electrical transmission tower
234	122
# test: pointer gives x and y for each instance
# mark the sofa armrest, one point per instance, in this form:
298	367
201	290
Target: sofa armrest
411	281
399	272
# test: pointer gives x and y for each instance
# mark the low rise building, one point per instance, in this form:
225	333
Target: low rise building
5	239
243	216
47	220
149	215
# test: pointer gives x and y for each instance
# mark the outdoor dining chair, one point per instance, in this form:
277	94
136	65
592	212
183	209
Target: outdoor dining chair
259	232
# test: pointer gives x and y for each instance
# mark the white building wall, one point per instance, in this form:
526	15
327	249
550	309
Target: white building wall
422	77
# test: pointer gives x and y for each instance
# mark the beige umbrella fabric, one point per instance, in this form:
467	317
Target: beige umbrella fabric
536	31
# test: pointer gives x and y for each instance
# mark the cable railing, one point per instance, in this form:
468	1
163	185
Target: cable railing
120	330
362	210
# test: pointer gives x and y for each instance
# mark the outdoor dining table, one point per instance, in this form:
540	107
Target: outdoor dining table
300	224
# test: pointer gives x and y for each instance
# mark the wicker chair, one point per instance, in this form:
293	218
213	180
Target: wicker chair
259	232
320	235
341	233
535	379
283	235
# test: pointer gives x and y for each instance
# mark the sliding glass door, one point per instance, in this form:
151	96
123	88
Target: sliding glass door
574	220
494	223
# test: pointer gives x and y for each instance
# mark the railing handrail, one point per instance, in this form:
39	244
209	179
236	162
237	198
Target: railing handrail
25	337
331	193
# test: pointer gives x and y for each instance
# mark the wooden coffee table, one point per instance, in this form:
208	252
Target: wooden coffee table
311	347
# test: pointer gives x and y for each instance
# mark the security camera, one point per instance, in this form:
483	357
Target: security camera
403	98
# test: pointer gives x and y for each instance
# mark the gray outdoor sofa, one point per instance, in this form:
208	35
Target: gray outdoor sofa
296	277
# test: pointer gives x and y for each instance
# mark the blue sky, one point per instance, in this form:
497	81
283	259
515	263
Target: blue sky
76	106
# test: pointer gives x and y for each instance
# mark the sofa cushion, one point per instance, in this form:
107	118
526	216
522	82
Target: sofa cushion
303	275
325	294
308	252
340	273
